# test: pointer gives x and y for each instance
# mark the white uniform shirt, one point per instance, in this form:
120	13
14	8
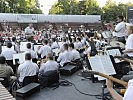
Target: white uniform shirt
29	30
75	45
129	92
80	45
120	29
54	45
48	66
33	53
28	68
75	54
8	53
129	44
44	50
64	57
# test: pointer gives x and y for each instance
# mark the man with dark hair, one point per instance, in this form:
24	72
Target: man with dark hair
54	44
8	54
74	53
49	65
28	68
5	71
34	55
65	56
45	49
119	29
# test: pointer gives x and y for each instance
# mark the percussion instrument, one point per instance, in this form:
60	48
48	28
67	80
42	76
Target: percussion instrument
4	94
117	44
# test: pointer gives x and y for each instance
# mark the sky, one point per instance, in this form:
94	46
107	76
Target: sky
46	4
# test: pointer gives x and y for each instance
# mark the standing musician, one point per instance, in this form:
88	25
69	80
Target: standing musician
119	29
129	51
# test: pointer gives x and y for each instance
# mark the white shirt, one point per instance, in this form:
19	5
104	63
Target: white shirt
44	50
80	45
88	50
129	44
8	53
120	29
54	45
28	68
75	54
75	45
64	57
129	92
29	30
49	65
33	53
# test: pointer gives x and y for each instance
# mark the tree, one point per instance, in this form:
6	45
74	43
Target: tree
92	7
111	10
75	7
20	6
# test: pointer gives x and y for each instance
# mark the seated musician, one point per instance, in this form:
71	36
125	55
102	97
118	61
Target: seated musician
49	65
6	71
128	94
129	49
33	53
65	56
28	68
8	54
45	49
54	44
74	53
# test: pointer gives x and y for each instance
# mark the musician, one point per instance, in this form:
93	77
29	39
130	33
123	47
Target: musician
129	42
54	44
29	29
128	94
34	55
45	49
129	49
65	56
8	54
49	65
5	71
74	53
28	68
119	29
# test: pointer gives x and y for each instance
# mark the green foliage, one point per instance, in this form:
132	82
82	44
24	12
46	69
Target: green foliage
90	7
20	6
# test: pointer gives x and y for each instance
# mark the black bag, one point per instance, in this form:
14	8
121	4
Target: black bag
48	78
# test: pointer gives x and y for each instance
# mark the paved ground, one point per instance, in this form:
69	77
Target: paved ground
69	92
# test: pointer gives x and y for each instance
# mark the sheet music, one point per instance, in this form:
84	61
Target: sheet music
20	56
114	52
102	64
23	46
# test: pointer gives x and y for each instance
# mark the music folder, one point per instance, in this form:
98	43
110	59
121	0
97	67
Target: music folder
102	64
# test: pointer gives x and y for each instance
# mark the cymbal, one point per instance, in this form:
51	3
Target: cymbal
117	44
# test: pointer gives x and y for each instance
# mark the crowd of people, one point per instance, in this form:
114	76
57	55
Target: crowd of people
71	46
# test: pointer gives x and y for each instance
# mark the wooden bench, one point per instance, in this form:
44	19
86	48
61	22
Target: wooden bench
27	90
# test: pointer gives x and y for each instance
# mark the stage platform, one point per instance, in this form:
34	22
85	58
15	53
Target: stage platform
69	92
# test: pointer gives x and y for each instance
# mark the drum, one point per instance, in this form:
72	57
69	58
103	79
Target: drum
117	44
